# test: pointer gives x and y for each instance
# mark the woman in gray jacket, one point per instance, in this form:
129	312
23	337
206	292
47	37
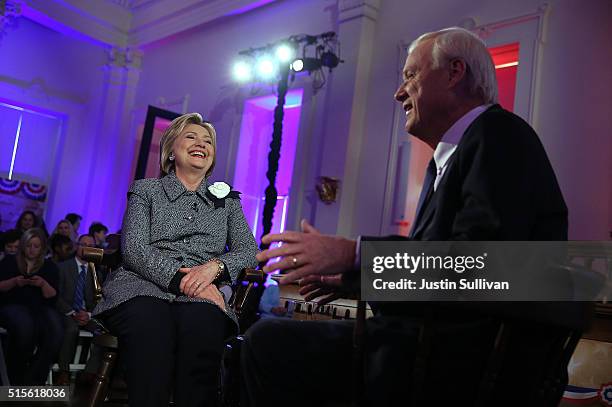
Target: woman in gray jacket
181	238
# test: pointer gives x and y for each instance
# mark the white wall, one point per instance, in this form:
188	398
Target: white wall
67	73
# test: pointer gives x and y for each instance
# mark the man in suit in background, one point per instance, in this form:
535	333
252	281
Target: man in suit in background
99	232
489	179
76	301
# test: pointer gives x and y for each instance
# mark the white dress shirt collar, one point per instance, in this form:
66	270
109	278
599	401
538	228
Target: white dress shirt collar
80	263
448	144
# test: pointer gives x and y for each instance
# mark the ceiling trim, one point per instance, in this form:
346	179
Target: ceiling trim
131	23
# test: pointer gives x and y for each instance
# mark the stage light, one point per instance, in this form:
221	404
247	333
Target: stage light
242	71
329	59
297	65
306	64
265	68
284	53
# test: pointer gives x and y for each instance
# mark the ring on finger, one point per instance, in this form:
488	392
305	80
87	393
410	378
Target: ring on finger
295	261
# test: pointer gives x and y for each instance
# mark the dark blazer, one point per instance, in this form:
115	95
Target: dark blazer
499	185
68	276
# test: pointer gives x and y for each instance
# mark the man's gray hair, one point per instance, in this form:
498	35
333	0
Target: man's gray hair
456	42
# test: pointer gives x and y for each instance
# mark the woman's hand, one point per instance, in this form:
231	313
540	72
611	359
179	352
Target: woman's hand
212	293
9	284
37	281
47	290
20	281
198	278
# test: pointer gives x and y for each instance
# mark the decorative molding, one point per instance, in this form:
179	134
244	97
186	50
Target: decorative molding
160	20
125	58
100	22
484	31
126	4
351	9
9	11
37	89
181	104
128	22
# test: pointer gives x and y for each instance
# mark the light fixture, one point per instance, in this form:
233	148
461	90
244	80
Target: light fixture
330	60
266	63
284	52
271	64
306	64
242	71
266	68
297	65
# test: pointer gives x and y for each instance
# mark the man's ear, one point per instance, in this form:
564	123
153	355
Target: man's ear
457	70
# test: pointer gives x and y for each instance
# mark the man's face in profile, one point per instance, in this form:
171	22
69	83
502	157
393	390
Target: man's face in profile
422	93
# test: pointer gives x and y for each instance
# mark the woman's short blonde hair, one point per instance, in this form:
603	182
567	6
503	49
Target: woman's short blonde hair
173	131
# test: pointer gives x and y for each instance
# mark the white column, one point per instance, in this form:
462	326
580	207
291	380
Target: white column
111	160
345	105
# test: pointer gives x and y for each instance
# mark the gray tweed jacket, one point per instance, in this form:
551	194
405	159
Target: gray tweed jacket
166	227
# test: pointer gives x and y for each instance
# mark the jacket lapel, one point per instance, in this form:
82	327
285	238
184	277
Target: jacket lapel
428	212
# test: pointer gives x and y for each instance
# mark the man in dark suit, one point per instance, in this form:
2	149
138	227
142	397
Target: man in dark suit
76	301
489	179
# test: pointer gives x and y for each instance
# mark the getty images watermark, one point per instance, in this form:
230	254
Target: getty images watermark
483	271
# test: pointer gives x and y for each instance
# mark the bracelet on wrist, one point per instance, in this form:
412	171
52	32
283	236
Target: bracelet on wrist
220	268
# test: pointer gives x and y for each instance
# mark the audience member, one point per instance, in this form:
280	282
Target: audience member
62	248
10	242
64	228
75	301
27	220
99	232
181	237
75	220
29	283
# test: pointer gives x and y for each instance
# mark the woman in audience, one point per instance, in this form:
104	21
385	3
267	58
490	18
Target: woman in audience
181	238
75	220
28	287
64	227
27	220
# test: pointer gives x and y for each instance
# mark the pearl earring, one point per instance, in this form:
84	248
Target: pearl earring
171	158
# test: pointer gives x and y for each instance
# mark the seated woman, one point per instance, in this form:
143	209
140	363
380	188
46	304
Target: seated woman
64	228
181	238
28	287
27	220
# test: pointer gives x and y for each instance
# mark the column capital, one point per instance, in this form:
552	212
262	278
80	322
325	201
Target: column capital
351	9
119	57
